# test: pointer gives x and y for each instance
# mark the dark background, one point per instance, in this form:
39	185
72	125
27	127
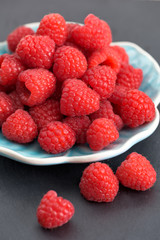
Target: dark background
133	215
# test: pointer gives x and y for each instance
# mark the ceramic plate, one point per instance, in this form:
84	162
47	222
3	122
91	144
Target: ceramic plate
33	154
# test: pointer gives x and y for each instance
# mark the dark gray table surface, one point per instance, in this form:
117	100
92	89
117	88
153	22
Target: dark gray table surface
133	215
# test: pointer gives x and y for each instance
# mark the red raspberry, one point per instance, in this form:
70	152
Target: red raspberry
98	183
56	137
122	53
118	94
45	113
95	34
36	51
54	211
69	62
10	68
137	108
16	35
6	107
80	126
130	77
54	26
70	27
101	133
2	57
136	172
16	100
102	79
77	99
20	127
106	111
34	86
71	44
106	56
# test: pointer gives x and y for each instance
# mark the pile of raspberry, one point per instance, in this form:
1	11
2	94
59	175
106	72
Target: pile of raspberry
66	84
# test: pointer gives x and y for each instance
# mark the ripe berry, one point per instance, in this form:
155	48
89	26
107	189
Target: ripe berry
119	94
106	111
80	126
101	133
105	56
137	108
130	77
95	34
122	53
54	26
6	107
16	35
56	137
46	112
98	183
77	99
54	211
34	86
10	68
69	62
20	127
102	79
136	172
70	27
16	100
36	51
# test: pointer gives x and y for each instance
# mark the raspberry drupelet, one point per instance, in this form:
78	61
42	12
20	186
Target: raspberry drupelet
34	86
36	51
20	127
136	172
98	183
54	211
56	137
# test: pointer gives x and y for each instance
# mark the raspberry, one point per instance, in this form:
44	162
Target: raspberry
69	62
102	79
80	126
136	172
2	57
20	127
137	108
71	44
10	68
45	113
101	133
54	26
95	34
130	77
70	27
16	100
106	56
98	183
36	51
106	111
122	53
77	99
6	107
34	86
54	211
16	35
118	94
56	137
